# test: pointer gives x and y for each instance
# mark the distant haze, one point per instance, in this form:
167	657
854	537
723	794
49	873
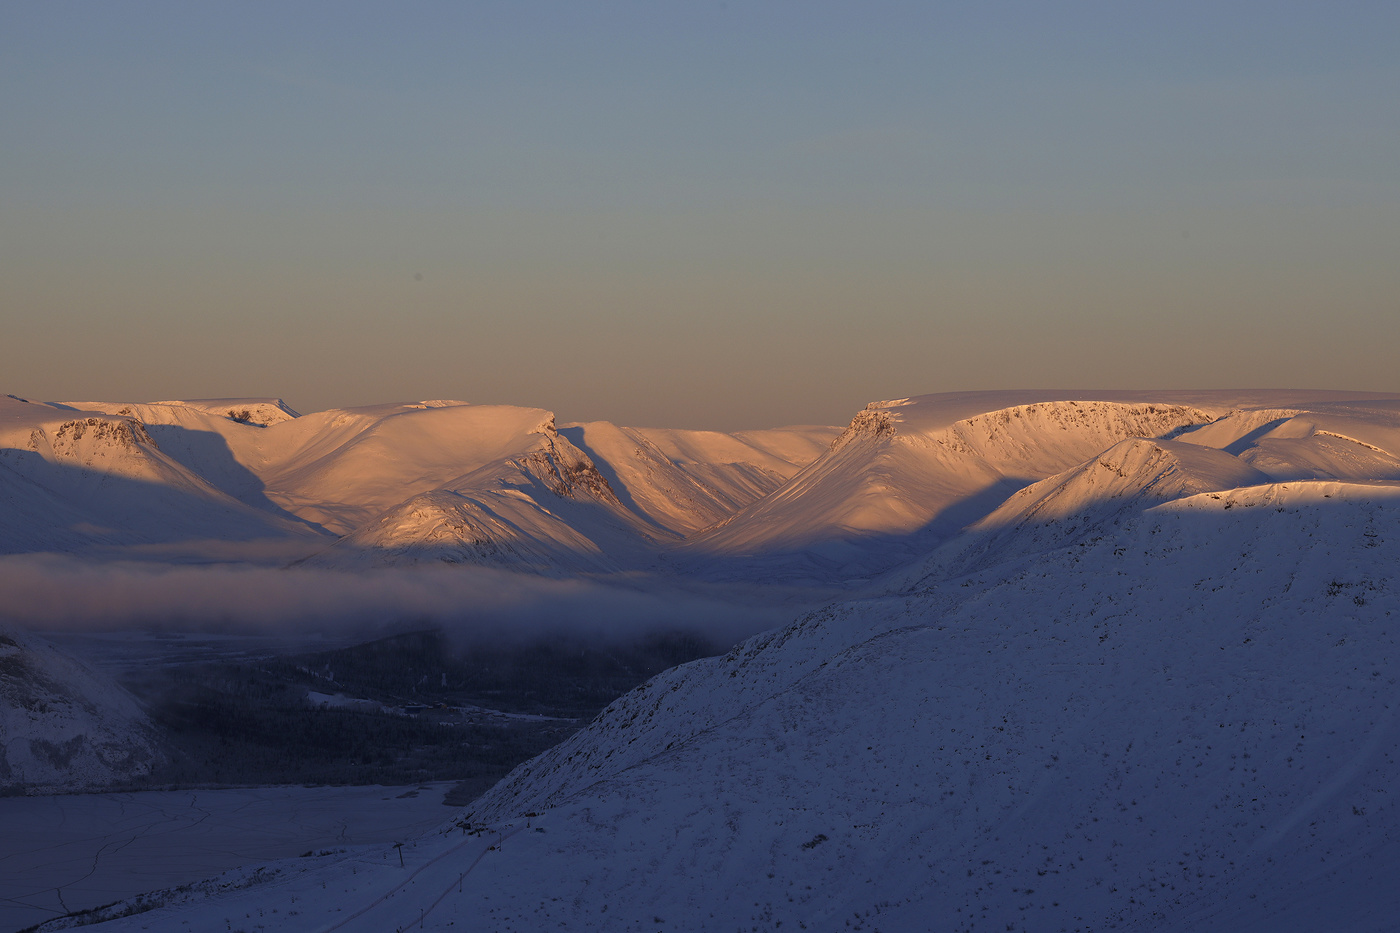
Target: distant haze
703	215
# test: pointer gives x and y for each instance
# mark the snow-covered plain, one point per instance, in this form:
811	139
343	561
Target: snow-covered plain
80	851
1115	660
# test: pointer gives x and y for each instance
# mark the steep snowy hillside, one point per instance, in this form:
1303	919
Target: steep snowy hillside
63	726
682	481
900	477
397	484
909	473
545	509
1188	724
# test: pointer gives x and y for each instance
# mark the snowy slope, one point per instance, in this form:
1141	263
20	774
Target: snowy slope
257	412
431	481
909	473
447	481
682	481
87	477
1088	498
900	477
63	726
449	527
220	440
335	469
1169	726
546	508
32	518
1327	441
342	467
1188	723
1156	690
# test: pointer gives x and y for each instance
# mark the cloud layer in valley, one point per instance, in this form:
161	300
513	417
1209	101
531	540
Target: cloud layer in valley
51	592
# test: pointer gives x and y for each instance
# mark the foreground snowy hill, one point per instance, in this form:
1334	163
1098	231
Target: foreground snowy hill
1156	690
63	726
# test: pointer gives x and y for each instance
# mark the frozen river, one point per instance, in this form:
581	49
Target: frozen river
72	852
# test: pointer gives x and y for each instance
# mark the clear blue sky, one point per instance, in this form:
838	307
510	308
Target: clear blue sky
701	215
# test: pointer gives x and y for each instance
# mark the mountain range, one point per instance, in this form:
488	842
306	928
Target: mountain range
1105	660
449	482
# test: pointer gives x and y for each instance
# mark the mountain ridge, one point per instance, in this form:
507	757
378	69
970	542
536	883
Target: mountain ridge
801	504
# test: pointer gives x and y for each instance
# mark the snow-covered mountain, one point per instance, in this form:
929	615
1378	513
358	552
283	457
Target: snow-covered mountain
1129	476
450	482
1155	689
1186	723
434	481
683	481
909	473
63	725
75	479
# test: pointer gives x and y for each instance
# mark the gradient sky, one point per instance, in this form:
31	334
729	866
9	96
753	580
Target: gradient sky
695	214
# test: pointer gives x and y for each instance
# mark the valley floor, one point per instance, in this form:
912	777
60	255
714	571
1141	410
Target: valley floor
79	851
